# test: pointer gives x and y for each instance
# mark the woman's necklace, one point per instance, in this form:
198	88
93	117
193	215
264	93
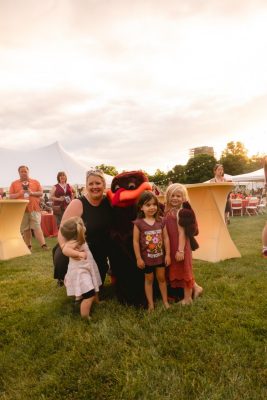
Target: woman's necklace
63	185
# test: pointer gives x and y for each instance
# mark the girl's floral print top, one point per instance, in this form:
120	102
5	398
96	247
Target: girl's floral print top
151	242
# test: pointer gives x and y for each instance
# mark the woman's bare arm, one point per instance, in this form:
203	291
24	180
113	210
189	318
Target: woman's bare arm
74	209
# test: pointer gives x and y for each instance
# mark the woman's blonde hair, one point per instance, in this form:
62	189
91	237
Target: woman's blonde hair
96	172
175	187
74	229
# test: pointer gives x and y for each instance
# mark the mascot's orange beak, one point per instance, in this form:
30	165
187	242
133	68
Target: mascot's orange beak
128	195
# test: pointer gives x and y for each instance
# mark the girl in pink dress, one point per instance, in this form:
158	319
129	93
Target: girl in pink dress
82	279
181	227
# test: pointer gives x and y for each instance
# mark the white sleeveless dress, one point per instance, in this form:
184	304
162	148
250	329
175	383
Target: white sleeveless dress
82	275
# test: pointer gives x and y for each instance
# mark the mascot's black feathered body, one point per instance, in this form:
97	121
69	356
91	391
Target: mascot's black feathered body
123	195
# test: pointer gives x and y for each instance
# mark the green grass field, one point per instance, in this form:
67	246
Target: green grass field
215	349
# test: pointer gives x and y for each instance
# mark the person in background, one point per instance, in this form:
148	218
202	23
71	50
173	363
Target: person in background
46	198
31	190
61	195
218	178
264	232
264	241
80	191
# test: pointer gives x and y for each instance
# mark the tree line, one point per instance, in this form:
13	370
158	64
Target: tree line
234	159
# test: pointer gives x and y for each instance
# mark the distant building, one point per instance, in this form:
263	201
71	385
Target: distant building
201	150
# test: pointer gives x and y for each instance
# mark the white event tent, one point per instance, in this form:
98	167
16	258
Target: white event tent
255	176
44	163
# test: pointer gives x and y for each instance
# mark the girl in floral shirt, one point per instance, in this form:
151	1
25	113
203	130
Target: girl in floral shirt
151	246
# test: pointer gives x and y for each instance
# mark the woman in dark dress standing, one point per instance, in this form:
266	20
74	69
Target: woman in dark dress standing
61	195
95	210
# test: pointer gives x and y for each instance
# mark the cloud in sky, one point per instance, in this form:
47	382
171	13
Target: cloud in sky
133	84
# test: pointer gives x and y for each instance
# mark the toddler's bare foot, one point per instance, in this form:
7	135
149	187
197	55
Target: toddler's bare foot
197	291
150	309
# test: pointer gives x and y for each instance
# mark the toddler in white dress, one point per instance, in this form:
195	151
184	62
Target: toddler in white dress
82	279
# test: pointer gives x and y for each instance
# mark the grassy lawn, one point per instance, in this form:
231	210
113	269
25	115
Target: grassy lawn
215	349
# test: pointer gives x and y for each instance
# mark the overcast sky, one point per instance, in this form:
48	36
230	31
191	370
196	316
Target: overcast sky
130	83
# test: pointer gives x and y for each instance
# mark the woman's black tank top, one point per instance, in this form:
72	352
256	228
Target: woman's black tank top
97	220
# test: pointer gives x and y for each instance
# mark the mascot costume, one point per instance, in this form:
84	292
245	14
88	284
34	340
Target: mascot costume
128	278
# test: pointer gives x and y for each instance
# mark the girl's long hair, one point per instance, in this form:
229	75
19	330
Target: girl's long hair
74	229
143	199
175	187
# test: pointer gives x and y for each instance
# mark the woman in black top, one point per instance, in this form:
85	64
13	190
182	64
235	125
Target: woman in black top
95	211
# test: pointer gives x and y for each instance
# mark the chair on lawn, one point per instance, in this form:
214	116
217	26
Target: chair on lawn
252	206
236	207
262	206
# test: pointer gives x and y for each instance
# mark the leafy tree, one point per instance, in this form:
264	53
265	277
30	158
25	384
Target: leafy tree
234	159
159	178
255	162
177	174
108	169
234	165
235	149
200	168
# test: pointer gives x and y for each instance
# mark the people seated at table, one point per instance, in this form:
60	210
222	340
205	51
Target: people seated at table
31	190
237	195
61	195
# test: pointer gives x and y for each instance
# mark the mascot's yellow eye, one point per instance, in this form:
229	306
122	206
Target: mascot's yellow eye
131	186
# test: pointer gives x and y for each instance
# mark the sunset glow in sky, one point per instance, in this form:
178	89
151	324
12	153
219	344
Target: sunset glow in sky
134	84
